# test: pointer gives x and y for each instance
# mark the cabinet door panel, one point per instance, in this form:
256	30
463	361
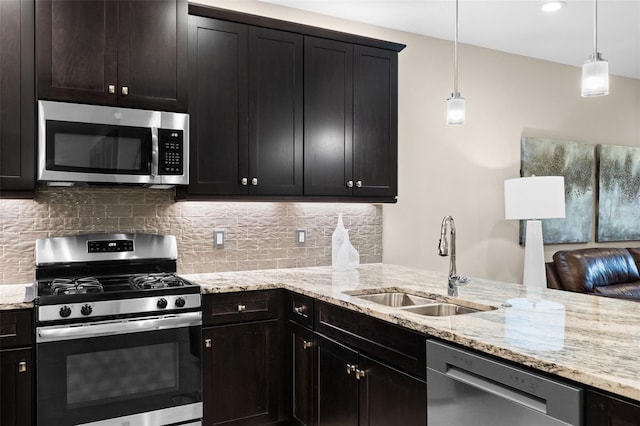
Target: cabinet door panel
302	369
275	112
328	111
77	50
17	100
375	121
15	387
152	54
241	373
218	106
388	396
604	410
337	392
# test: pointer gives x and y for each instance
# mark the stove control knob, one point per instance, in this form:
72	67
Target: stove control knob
65	311
86	310
162	303
180	302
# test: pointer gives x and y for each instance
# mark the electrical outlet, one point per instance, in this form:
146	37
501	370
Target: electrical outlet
218	238
301	237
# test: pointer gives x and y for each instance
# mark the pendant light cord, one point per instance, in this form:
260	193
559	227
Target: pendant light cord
595	26
455	56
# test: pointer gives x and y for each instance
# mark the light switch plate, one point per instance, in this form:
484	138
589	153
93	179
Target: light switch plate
301	237
218	238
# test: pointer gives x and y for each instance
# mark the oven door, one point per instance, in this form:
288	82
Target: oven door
123	372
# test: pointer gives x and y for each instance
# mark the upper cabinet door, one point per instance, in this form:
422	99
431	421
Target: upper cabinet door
17	99
375	122
152	54
275	112
108	52
218	107
328	117
76	44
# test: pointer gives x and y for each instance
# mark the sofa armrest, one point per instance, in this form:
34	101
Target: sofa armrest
552	276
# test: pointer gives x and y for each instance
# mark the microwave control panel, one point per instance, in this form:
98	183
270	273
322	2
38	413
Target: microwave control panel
170	143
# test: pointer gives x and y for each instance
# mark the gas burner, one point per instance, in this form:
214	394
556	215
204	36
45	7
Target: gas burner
78	286
160	280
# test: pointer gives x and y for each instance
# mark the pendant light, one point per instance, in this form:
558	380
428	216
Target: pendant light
595	71
455	104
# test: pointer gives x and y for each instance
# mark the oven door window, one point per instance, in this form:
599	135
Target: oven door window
80	381
98	148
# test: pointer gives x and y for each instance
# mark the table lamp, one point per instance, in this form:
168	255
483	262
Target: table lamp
531	199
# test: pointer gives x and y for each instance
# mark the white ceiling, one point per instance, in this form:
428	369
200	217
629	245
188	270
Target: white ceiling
514	26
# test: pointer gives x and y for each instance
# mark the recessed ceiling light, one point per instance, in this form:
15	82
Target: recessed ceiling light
552	6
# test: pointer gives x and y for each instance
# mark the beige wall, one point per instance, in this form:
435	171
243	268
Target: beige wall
459	171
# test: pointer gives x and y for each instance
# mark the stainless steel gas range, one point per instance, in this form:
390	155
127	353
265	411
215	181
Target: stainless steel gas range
117	333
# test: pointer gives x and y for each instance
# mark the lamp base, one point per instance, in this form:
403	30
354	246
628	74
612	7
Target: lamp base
535	276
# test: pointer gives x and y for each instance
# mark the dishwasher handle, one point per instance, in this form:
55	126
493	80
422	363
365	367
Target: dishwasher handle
498	389
525	387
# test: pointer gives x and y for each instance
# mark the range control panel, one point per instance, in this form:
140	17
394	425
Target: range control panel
106	246
170	151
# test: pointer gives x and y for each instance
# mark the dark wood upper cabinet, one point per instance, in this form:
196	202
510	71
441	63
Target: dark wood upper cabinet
375	122
17	99
124	52
275	112
328	125
218	106
245	109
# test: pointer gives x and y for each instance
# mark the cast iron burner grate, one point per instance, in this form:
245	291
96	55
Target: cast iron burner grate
77	286
161	280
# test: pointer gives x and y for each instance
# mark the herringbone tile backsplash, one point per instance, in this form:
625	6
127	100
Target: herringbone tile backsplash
259	235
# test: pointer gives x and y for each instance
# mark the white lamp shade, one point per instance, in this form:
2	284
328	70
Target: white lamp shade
455	110
595	78
536	197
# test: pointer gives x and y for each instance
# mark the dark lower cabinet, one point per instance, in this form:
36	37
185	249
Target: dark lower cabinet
241	374
604	410
354	389
302	368
337	401
389	396
16	367
16	387
17	99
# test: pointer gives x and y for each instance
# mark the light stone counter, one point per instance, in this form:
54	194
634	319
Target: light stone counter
592	340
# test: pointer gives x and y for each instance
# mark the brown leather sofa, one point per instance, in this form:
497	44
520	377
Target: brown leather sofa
611	272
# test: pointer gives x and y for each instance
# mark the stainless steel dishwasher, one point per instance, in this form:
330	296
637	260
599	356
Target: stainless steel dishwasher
465	389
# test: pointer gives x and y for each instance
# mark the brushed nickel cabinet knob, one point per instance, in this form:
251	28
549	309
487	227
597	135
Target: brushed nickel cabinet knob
125	90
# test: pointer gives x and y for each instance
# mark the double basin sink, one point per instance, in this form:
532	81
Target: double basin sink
420	305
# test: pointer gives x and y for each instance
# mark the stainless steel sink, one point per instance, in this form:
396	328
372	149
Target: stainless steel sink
419	304
441	310
395	299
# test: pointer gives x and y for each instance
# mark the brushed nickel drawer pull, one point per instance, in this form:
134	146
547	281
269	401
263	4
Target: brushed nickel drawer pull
207	343
242	308
306	344
299	309
22	367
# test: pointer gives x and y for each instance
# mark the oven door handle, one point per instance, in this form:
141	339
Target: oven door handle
110	328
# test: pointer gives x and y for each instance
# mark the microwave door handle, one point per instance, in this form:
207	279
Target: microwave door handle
154	152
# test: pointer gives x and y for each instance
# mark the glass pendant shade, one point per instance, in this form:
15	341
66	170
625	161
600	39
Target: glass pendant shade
595	76
455	110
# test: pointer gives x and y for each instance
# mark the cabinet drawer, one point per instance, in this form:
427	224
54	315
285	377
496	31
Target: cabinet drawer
300	309
392	344
16	328
226	308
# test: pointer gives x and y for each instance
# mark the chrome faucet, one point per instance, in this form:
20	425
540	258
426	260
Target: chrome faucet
443	250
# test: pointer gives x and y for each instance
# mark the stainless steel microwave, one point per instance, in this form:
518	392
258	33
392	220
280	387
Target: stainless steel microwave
101	145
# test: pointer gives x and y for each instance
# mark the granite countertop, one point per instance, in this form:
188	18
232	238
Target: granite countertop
592	340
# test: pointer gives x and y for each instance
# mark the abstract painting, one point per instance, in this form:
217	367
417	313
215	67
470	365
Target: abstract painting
576	162
618	193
